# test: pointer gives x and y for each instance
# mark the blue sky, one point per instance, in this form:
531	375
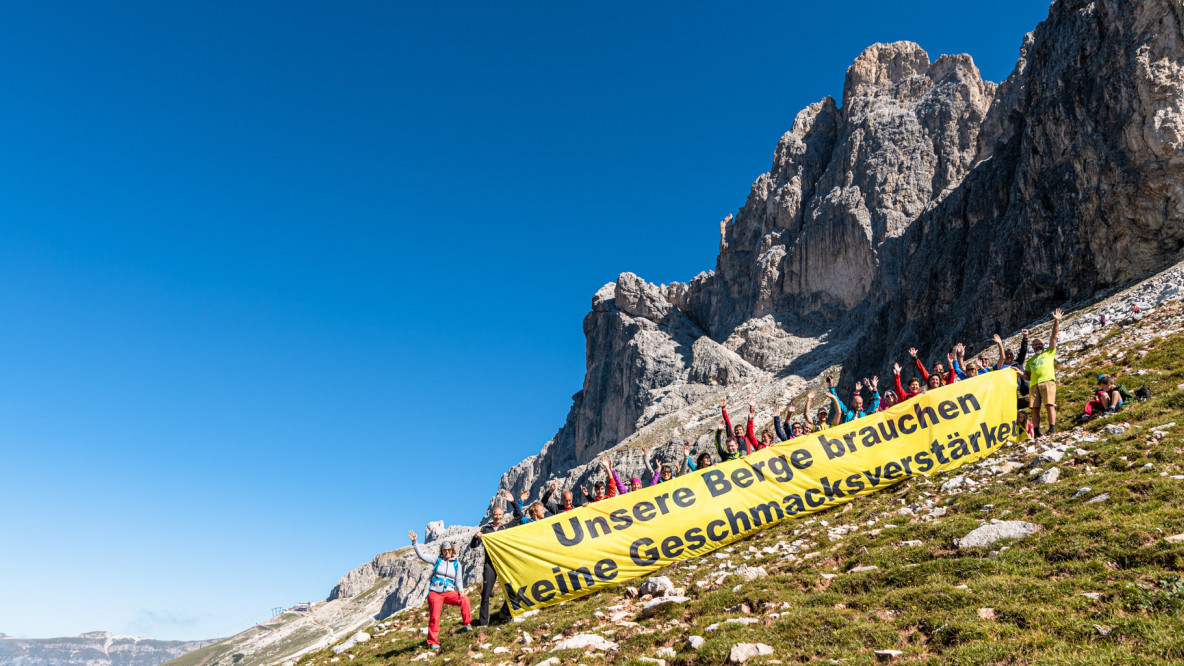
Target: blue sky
280	281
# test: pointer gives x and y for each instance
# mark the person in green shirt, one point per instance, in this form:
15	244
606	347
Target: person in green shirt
1041	373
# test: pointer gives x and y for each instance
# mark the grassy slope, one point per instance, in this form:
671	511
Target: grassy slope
915	601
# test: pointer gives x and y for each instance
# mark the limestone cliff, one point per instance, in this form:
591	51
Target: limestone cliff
932	206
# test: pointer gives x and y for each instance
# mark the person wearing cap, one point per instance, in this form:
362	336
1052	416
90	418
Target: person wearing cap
488	573
1040	371
447	587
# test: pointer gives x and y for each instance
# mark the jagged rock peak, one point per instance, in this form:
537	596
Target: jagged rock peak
881	67
639	298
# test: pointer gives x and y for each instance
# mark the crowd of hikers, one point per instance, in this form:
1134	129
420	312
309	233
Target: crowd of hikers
1034	363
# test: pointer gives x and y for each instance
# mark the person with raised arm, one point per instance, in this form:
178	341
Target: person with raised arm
742	434
938	370
914	385
488	573
782	435
728	449
597	488
874	385
529	514
815	421
888	399
999	364
617	487
842	413
447	587
556	508
691	465
1020	359
1041	373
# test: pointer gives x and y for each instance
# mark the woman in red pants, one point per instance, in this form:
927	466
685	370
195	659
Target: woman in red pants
447	588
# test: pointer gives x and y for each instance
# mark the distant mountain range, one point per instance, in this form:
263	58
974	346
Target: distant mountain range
94	648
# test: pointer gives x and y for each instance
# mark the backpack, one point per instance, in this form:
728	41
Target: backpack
1143	394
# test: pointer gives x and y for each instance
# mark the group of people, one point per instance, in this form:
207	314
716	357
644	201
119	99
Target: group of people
1036	388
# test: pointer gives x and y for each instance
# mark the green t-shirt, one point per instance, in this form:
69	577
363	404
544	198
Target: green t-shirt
1042	367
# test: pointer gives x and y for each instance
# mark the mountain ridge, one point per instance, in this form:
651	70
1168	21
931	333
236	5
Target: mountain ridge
94	648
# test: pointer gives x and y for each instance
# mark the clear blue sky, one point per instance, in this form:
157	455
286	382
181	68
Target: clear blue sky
282	280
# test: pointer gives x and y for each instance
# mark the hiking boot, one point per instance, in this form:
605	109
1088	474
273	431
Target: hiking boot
468	627
1052	429
1036	433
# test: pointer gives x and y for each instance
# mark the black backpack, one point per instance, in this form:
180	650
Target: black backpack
1142	394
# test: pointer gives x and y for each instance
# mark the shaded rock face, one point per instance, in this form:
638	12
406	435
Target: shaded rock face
1083	189
931	207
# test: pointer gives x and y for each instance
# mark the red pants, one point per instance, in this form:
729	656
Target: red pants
436	601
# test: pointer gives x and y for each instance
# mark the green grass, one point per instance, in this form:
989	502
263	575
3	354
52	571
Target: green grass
914	602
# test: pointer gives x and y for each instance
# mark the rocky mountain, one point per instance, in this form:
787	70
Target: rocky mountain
95	648
929	207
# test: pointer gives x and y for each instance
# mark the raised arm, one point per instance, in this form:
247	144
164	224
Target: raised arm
419	553
1023	355
834	396
896	377
1056	328
920	366
723	406
956	364
751	433
519	510
781	436
999	344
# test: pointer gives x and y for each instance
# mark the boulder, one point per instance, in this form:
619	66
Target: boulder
750	573
1050	476
655	586
585	642
652	607
742	652
986	535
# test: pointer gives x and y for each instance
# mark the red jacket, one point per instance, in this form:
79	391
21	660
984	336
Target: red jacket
902	394
950	378
750	441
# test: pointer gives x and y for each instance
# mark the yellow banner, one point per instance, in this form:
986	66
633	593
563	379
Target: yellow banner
614	540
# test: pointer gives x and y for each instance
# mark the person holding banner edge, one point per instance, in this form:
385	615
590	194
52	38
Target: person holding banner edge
488	573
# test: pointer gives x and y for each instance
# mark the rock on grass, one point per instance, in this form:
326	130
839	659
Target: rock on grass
651	607
742	652
989	534
584	642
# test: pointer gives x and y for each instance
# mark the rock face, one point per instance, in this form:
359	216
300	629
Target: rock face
95	648
931	207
